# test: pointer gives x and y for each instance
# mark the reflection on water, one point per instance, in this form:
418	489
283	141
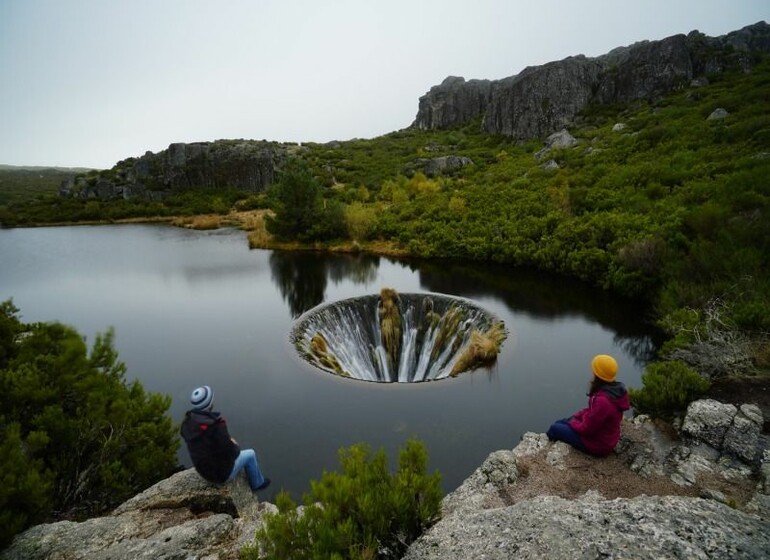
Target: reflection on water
302	276
544	296
191	308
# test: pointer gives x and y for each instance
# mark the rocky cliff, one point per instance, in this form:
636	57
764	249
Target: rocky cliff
543	99
246	165
181	517
533	104
701	492
453	102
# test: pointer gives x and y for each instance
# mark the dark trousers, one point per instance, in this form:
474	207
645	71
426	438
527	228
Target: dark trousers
561	431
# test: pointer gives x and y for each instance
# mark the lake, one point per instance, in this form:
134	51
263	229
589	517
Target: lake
193	307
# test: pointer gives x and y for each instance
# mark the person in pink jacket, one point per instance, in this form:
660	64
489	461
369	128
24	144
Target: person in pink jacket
596	429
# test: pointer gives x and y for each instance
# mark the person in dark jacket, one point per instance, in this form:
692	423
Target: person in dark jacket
596	429
215	455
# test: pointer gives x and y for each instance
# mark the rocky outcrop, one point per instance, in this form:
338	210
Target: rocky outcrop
592	527
443	165
543	99
718	114
181	517
644	70
453	102
703	492
545	500
734	431
246	165
558	140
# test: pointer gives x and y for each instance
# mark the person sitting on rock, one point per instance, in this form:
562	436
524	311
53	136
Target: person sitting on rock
215	455
596	429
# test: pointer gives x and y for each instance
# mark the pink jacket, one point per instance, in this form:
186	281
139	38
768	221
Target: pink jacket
598	425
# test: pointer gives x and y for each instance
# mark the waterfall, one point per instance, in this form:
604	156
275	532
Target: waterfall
392	337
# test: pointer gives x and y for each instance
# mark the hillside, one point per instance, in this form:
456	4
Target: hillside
542	99
20	184
662	197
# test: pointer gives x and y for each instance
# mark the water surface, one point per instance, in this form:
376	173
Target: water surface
192	308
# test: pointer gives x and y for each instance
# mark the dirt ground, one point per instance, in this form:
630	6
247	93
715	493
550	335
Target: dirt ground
612	477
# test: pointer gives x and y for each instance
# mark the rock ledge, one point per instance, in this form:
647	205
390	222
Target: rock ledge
700	493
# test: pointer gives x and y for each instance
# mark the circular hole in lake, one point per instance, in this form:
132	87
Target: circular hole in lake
404	338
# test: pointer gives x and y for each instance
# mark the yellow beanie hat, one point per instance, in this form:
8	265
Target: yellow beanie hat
605	367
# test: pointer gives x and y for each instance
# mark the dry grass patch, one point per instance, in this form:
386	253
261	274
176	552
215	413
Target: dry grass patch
204	222
482	350
609	475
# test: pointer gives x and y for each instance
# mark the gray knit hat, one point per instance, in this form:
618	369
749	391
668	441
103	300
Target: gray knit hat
202	398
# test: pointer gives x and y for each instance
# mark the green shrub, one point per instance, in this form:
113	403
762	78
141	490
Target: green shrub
75	438
360	221
329	222
300	211
26	488
363	512
252	202
668	387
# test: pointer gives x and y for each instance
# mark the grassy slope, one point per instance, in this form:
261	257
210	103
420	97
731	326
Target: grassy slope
21	184
673	207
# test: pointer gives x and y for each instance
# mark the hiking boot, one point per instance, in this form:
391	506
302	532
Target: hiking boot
262	486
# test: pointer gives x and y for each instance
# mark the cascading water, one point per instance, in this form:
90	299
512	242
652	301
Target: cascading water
403	338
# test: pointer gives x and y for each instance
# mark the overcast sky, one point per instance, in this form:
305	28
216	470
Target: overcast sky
90	82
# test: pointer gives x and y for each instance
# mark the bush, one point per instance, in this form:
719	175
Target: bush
364	512
360	220
296	202
76	438
329	222
668	387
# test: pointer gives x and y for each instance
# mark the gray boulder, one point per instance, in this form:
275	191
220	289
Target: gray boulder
743	435
764	479
558	140
727	429
550	165
590	527
181	517
718	114
708	421
444	164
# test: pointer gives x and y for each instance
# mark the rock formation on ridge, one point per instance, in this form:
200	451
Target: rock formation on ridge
538	101
247	165
543	99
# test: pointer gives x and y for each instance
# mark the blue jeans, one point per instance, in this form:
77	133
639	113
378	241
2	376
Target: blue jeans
247	461
561	431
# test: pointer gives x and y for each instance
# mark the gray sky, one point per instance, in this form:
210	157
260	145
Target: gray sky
90	82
